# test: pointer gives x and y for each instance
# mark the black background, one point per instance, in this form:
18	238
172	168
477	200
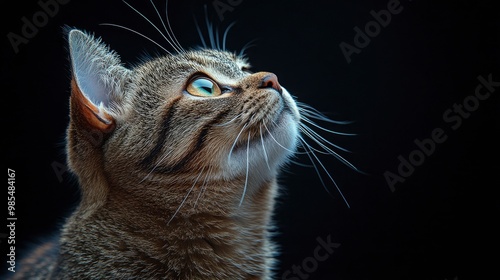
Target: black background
437	224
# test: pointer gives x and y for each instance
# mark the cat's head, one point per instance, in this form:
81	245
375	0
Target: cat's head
173	118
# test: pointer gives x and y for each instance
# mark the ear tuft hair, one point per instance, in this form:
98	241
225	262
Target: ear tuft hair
98	71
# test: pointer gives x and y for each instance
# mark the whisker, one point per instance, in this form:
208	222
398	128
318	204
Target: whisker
264	147
217	38
279	144
186	196
305	113
235	141
200	33
151	23
324	169
171	33
138	33
171	41
230	121
225	35
303	144
333	153
318	138
210	29
300	163
203	186
246	47
318	151
309	111
307	120
156	165
246	175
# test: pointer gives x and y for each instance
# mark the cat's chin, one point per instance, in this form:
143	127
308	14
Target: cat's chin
262	155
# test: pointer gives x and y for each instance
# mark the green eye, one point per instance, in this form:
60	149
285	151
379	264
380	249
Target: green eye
203	87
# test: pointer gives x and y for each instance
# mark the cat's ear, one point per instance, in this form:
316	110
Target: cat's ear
98	81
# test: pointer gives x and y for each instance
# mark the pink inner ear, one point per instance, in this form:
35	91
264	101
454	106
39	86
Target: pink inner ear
94	116
91	61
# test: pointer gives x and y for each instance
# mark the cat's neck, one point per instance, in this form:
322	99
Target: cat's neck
173	203
198	237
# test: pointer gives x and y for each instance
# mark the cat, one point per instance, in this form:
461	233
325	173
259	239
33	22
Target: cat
181	183
177	160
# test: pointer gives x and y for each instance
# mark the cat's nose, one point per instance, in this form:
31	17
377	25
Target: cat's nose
270	80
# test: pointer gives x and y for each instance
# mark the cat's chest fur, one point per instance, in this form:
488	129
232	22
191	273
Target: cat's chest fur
137	243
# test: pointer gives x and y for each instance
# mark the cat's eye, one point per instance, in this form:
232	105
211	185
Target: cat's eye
203	87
